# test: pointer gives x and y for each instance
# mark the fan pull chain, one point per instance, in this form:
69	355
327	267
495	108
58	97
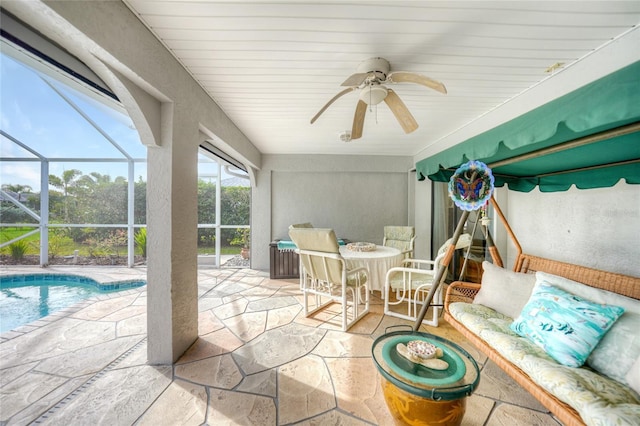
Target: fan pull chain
371	108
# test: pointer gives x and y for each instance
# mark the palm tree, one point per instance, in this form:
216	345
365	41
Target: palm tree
100	178
17	188
67	183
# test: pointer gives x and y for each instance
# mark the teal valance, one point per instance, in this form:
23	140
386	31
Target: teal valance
589	138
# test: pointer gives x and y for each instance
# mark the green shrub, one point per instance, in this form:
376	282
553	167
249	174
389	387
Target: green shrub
18	249
59	243
116	240
140	238
241	237
98	248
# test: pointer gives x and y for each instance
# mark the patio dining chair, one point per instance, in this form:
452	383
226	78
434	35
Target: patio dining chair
412	282
325	279
400	237
301	225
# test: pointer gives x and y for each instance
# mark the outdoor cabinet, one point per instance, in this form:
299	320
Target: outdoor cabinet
283	263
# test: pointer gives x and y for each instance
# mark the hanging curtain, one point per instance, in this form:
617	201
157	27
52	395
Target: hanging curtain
441	220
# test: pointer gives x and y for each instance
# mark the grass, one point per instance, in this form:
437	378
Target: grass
9	233
223	250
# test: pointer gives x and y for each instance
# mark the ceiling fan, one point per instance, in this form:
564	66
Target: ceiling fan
371	77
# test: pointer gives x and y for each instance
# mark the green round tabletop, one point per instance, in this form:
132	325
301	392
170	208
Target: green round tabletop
459	380
418	373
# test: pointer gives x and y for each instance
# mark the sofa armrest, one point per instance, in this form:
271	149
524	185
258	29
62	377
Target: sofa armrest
460	291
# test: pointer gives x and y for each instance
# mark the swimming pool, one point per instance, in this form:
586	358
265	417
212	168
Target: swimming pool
26	298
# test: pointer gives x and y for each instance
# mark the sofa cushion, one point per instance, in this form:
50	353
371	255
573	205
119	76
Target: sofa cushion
633	376
496	282
568	327
622	341
618	349
598	399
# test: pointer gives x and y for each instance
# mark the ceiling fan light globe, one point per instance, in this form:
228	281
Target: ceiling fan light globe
373	95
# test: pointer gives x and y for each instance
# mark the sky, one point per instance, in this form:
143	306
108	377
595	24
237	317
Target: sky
34	113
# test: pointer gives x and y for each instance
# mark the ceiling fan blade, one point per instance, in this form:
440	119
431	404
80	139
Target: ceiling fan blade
411	77
344	92
358	120
356	79
400	110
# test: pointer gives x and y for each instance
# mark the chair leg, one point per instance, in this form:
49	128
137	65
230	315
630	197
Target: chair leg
351	299
359	296
345	310
386	298
401	295
418	300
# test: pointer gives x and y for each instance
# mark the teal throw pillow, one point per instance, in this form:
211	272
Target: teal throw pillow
566	326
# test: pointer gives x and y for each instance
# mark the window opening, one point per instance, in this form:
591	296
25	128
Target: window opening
72	167
224	200
445	216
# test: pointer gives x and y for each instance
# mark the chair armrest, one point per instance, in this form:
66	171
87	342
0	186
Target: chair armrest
414	263
358	270
416	271
410	277
460	291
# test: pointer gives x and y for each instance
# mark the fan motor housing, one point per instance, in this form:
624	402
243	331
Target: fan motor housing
375	65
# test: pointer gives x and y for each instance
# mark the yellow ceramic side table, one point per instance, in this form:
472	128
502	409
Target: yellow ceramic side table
417	395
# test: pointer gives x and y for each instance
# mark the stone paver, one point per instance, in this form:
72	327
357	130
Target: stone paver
87	360
218	371
304	389
506	414
212	344
263	383
337	344
182	403
496	384
227	408
247	326
357	390
258	361
117	397
277	347
25	390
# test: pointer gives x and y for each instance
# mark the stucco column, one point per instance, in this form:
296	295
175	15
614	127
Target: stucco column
172	290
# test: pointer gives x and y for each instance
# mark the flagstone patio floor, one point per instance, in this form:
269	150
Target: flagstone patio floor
257	361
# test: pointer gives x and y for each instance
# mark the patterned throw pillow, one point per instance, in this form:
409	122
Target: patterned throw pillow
566	326
622	341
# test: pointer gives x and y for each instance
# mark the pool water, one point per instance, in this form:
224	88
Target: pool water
26	298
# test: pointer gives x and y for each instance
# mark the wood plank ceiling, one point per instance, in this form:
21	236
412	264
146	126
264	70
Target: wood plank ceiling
271	66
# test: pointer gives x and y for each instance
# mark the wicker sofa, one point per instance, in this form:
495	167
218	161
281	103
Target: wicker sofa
488	330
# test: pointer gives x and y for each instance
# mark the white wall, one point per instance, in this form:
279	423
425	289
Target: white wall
422	217
355	195
357	205
599	228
